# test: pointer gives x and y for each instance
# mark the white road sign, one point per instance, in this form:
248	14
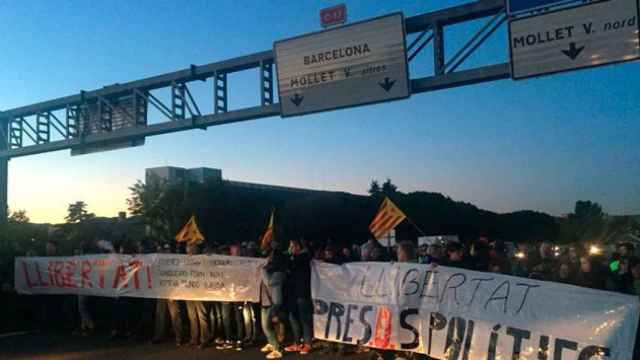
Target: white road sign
357	64
584	36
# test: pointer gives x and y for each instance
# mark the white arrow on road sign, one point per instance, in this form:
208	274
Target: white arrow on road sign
579	37
357	64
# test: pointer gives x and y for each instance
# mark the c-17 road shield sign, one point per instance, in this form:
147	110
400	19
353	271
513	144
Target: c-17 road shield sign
584	36
357	64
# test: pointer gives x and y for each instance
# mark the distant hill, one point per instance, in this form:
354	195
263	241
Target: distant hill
228	213
346	217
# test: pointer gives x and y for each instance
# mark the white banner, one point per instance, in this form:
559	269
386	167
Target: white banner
437	240
170	276
450	313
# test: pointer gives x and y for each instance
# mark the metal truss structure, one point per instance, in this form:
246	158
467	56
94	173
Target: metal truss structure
116	115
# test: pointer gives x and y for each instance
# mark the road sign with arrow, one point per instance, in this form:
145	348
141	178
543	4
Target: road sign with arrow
584	36
357	64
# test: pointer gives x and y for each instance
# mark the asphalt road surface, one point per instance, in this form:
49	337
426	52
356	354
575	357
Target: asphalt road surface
67	347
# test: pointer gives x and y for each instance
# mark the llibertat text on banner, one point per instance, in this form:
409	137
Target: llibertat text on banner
168	276
449	313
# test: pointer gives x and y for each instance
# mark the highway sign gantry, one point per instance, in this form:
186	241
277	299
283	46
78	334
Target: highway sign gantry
584	36
357	64
519	6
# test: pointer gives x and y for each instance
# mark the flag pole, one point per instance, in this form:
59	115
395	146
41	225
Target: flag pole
414	225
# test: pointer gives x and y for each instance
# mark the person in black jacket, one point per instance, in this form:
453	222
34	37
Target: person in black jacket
545	266
591	274
299	298
456	257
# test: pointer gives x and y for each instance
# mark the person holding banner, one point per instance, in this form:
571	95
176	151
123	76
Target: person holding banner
196	311
232	311
299	298
173	308
121	306
51	314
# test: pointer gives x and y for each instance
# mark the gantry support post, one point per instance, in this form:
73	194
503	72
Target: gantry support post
4	170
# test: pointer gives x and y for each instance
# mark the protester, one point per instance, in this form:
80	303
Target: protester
498	257
591	274
271	299
299	298
564	274
51	315
479	254
406	252
435	254
626	250
143	308
196	311
86	322
545	266
574	254
634	268
519	263
498	266
621	280
172	307
456	257
347	255
121	306
331	255
285	290
216	330
232	317
367	248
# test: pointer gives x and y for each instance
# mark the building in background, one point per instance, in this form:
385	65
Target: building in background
176	175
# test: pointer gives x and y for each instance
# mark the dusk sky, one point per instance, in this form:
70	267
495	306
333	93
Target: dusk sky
538	144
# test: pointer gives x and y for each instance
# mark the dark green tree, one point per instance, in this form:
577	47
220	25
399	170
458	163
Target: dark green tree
374	188
77	213
588	210
19	217
588	221
158	205
388	188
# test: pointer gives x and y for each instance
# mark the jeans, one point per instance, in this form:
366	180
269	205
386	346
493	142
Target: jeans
215	319
162	305
86	323
198	321
250	327
232	312
266	314
121	309
144	310
301	319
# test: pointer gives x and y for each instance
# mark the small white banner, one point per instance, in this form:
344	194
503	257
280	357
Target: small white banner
449	313
169	276
437	240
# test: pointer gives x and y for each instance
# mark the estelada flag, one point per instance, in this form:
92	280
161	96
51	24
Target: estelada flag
190	232
268	234
387	218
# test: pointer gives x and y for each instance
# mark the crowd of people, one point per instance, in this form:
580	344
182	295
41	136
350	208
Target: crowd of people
284	316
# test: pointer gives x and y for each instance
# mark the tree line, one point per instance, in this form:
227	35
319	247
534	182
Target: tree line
227	213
